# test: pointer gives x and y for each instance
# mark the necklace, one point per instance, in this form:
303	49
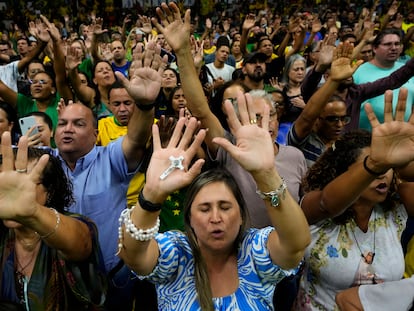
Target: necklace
19	267
31	243
368	257
21	279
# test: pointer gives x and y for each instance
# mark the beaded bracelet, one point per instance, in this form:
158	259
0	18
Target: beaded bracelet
137	234
54	229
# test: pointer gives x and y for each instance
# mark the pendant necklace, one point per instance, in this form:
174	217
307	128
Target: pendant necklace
21	279
369	257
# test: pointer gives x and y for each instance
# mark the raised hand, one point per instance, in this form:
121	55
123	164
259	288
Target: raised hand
73	57
51	28
175	30
197	50
106	52
274	82
254	149
145	83
33	139
180	145
342	65
146	23
166	127
97	26
249	22
18	180
326	50
392	141
39	30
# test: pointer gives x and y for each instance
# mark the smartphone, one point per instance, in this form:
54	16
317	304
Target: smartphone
27	123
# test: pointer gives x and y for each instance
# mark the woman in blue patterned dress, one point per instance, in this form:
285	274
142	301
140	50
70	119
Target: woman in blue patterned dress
217	264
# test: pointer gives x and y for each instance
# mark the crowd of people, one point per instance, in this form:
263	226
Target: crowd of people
258	163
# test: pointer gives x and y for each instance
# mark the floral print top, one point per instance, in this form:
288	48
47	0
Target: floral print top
334	261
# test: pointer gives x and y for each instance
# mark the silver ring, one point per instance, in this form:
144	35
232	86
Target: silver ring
23	170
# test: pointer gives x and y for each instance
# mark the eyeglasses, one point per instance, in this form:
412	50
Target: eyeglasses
336	119
272	116
41	81
390	44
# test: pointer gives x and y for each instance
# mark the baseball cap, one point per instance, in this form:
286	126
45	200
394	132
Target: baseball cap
254	57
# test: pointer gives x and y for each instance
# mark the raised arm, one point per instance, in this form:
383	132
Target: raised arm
247	25
83	92
8	95
341	68
43	39
254	151
59	67
367	37
142	256
391	146
143	86
177	33
18	201
97	30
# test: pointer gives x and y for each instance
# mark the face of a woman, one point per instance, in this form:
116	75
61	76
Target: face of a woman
83	78
104	75
169	79
378	189
178	100
215	217
235	48
44	130
33	69
42	87
297	71
5	125
78	47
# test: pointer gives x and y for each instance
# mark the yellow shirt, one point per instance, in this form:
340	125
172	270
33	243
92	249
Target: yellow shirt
109	130
409	259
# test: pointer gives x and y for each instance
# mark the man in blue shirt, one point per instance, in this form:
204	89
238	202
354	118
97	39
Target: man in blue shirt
101	175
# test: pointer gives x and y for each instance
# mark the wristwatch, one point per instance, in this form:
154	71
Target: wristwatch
274	196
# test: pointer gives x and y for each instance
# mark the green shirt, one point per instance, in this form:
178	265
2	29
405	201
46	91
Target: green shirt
25	105
172	214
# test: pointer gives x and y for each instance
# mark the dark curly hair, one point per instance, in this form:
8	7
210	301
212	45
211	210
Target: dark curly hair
336	161
58	187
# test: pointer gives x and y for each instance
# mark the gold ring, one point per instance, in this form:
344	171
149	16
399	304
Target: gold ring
253	121
23	170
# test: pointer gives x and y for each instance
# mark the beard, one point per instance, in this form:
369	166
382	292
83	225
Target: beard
257	75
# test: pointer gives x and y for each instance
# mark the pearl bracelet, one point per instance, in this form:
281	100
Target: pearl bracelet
137	234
